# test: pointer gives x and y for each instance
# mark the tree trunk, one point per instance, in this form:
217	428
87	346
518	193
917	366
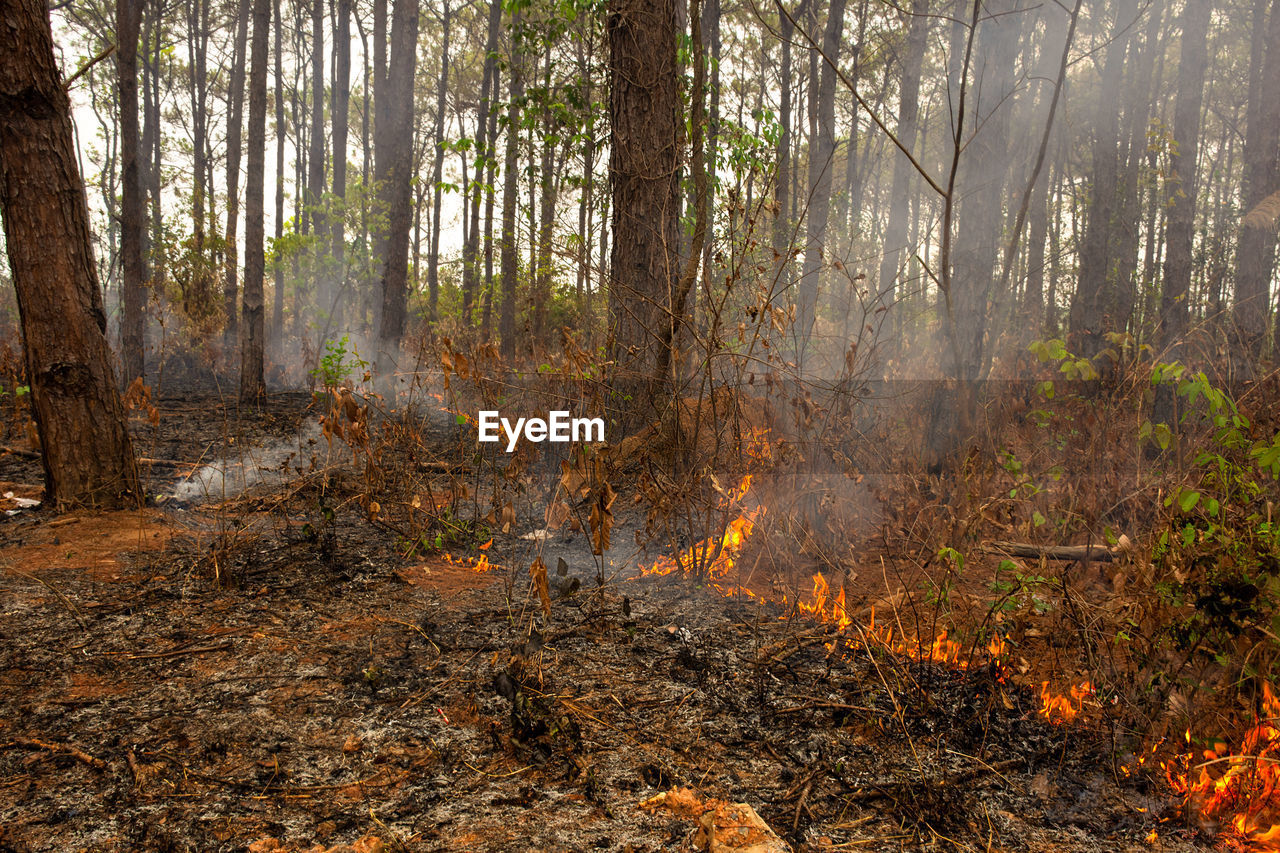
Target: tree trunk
394	176
895	241
510	201
231	287
277	313
252	328
437	170
1256	252
314	195
1181	189
133	289
341	119
822	151
86	450
200	298
470	249
644	160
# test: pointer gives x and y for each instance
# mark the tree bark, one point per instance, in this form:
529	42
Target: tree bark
252	327
395	180
510	201
1256	251
277	313
85	446
231	284
908	112
437	169
1193	59
644	160
341	119
133	289
822	152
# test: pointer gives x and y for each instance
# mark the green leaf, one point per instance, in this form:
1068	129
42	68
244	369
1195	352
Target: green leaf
460	419
1188	499
1037	519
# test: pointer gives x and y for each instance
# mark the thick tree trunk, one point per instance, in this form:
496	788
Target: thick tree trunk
252	326
231	284
88	457
394	176
1256	252
133	290
644	160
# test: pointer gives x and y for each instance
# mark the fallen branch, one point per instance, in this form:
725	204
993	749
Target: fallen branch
64	749
18	451
1081	553
173	653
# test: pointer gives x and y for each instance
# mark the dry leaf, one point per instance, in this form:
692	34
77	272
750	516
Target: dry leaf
602	519
538	574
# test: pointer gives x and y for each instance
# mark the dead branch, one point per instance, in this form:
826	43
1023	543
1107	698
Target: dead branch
63	749
1080	553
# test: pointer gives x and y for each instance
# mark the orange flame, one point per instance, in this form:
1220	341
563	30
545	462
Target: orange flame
1240	791
714	555
1062	709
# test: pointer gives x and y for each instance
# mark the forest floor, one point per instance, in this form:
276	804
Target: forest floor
254	664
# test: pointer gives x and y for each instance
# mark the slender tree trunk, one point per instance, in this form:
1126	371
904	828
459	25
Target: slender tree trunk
277	313
908	112
822	150
1193	60
133	320
437	170
252	328
546	214
200	301
470	249
510	201
341	118
235	117
486	320
782	154
85	446
394	177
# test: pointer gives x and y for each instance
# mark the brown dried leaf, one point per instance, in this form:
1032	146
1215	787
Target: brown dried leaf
557	514
538	574
602	519
508	517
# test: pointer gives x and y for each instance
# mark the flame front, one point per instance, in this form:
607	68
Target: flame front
712	558
1239	791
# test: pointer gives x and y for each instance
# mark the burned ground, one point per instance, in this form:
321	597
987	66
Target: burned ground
278	666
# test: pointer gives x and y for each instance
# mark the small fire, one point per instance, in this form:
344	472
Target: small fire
1238	791
479	564
1057	708
714	556
713	559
